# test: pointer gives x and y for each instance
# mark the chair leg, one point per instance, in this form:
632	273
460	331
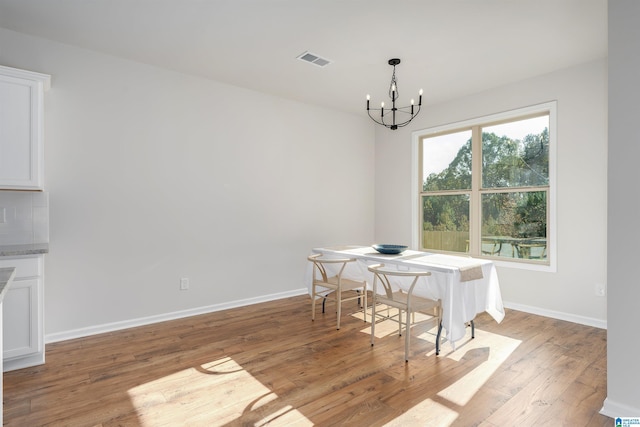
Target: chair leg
324	300
407	336
339	303
438	338
373	319
313	304
365	304
473	330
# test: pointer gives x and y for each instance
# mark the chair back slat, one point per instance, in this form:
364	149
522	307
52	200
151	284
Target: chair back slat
386	284
319	263
321	269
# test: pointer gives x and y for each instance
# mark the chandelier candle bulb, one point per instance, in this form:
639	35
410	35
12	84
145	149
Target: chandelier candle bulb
368	98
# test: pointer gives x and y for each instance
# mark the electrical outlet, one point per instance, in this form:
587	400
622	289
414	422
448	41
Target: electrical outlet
184	284
601	290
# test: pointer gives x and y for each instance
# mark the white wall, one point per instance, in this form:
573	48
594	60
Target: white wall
623	347
155	175
581	94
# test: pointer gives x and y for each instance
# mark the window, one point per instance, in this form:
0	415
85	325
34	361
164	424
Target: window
486	187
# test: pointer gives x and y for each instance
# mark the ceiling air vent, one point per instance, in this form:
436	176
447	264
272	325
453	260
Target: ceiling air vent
314	59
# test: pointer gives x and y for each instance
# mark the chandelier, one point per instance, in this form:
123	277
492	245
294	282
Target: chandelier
398	114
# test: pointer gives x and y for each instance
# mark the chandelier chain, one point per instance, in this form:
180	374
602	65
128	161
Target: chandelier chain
394	84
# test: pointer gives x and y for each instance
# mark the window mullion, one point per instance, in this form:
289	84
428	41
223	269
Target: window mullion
475	220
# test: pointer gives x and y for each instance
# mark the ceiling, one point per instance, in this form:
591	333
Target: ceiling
448	48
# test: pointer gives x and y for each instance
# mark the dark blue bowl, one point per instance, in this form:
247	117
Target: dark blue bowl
390	249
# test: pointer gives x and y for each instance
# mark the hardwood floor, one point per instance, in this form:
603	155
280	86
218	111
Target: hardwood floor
270	364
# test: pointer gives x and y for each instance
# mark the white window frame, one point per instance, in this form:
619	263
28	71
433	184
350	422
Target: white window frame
416	178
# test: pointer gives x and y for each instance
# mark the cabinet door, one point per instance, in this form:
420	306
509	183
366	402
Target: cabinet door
21	318
21	110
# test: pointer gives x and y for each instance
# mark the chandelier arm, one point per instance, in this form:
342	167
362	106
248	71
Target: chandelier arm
373	118
412	117
407	110
393	125
381	121
409	121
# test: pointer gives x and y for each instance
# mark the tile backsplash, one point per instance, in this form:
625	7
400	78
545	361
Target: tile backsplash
24	217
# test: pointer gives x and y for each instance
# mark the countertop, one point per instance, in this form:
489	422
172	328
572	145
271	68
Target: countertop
28	249
6	276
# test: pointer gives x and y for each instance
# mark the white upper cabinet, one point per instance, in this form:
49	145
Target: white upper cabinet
21	128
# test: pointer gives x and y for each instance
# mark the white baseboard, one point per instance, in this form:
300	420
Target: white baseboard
22	362
116	326
614	410
589	321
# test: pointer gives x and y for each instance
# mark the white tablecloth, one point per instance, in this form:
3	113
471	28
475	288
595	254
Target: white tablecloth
461	300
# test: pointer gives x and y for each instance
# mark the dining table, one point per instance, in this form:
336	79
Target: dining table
465	286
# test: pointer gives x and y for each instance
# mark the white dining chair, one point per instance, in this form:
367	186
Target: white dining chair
404	301
328	283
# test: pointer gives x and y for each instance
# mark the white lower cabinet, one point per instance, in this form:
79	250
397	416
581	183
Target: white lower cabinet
23	314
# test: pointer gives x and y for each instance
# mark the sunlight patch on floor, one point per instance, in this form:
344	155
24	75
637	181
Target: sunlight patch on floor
286	416
387	321
426	413
494	347
497	348
212	394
